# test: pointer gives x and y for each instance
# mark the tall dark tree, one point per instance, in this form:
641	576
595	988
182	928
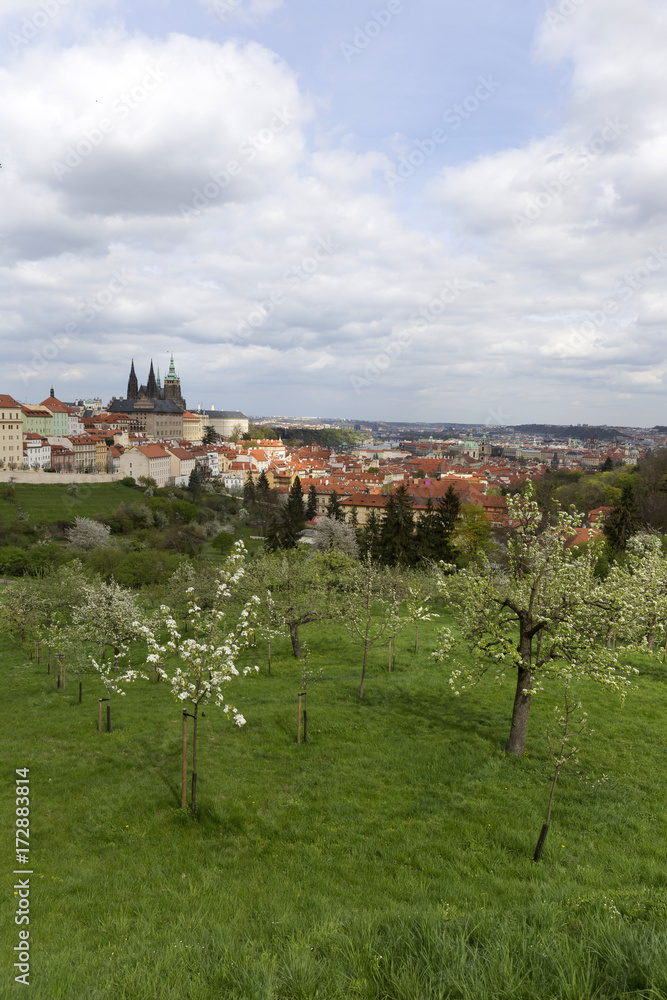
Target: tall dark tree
397	539
296	510
210	435
267	510
194	482
334	508
625	519
311	506
249	492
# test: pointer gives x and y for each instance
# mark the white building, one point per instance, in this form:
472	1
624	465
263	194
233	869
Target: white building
36	452
147	460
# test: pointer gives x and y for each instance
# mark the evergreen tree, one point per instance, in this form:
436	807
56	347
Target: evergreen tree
397	542
369	537
295	507
194	482
249	492
353	520
625	519
210	435
311	506
334	508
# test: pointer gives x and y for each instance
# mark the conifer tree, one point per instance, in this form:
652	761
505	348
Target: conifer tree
311	506
625	519
397	542
334	508
249	492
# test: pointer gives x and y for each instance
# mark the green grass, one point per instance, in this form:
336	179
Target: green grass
389	858
52	502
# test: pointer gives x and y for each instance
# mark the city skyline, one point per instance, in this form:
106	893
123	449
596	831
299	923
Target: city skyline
395	211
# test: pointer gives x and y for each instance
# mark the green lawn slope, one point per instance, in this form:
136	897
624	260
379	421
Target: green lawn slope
388	858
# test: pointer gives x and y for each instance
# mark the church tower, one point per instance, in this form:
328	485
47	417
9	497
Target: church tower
172	385
132	384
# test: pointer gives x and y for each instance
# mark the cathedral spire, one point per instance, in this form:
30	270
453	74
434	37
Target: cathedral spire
132	384
151	386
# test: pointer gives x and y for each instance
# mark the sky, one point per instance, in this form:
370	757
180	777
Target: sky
395	210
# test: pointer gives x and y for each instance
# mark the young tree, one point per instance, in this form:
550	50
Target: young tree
108	615
573	723
542	616
208	660
297	590
114	681
370	609
639	587
24	605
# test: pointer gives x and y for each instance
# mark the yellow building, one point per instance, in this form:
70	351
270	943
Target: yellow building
192	427
11	433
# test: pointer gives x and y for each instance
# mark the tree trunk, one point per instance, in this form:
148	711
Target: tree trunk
517	741
294	636
363	672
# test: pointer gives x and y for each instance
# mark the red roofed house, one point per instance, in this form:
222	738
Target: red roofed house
150	460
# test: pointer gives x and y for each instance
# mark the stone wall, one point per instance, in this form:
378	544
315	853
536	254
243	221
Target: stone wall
59	478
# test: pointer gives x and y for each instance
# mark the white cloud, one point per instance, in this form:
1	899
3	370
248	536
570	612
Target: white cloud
290	282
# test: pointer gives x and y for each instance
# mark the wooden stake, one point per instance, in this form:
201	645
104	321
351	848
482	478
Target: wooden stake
390	642
185	757
269	642
305	716
99	719
416	638
298	721
36	655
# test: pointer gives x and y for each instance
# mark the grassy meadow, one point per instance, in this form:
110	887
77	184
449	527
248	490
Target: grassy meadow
52	502
388	858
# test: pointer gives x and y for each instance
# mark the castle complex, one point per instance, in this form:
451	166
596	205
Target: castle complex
153	389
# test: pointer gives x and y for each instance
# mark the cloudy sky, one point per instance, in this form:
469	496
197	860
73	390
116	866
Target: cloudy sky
401	210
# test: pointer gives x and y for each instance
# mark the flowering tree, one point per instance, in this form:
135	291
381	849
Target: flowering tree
113	680
207	658
639	586
416	610
543	615
88	534
270	624
297	588
107	615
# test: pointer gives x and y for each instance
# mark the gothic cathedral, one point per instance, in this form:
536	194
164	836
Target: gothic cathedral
153	389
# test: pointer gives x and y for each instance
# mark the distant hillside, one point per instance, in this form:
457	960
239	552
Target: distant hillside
560	432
